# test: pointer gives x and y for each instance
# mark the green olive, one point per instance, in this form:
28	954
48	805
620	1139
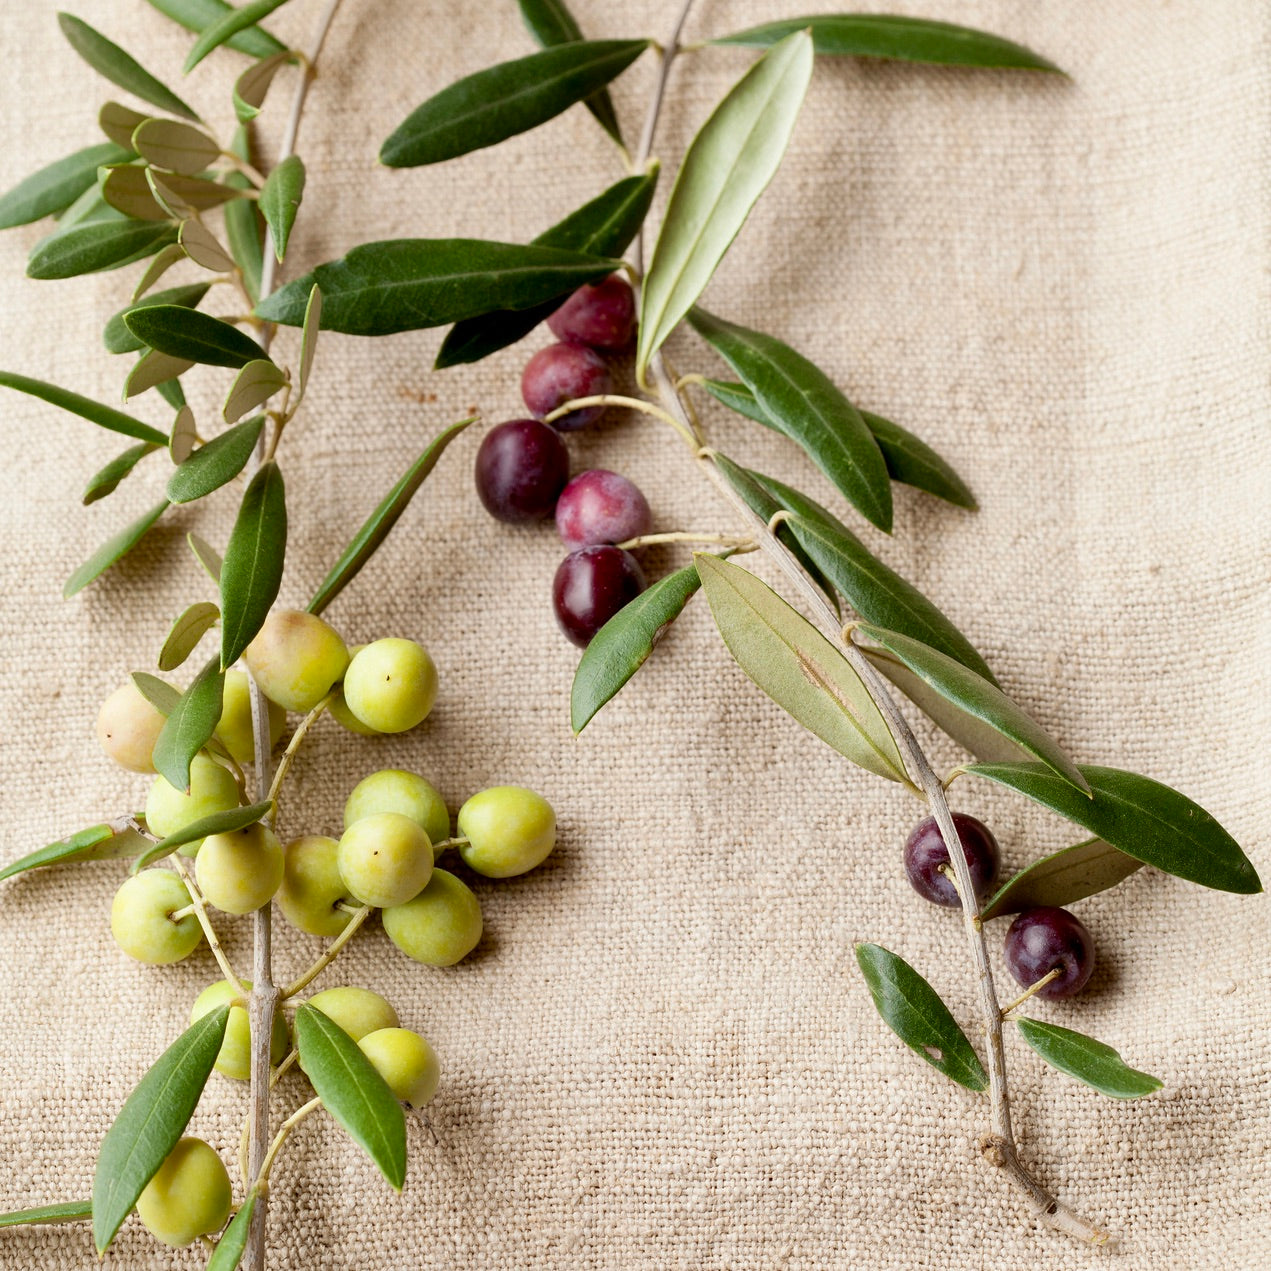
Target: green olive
212	789
234	731
141	918
312	887
235	1057
296	658
357	1011
128	727
406	1062
391	685
189	1195
240	871
509	830
385	859
440	926
393	790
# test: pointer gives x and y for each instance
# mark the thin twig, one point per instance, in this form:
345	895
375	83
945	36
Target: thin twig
288	755
199	906
329	953
628	403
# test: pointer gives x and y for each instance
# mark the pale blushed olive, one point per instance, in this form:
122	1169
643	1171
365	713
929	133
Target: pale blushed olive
235	1057
440	926
393	790
312	887
141	922
128	727
234	731
407	1063
357	1011
296	658
239	871
212	789
391	685
509	830
189	1195
385	859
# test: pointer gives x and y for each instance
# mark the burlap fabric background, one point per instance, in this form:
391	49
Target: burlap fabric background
662	1054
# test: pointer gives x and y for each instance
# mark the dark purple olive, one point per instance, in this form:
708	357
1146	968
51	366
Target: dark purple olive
601	316
925	852
522	466
558	374
601	507
1040	940
590	586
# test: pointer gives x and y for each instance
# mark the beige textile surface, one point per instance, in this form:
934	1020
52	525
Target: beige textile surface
662	1054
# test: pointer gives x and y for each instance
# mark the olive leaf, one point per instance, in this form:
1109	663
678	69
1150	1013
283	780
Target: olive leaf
603	227
179	147
97	246
376	527
1071	874
116	336
164	261
202	247
198	15
154	369
119	122
206	555
226	822
308	342
233	1241
106	480
253	84
805	405
1090	1061
151	1123
190	725
551	23
783	653
159	693
68	1211
410	283
255	384
121	68
620	648
501	101
184	435
280	200
103	416
194	336
900	39
973	694
112	550
727	167
126	187
1140	817
252	571
914	1011
353	1092
244	225
54	188
225	28
171	391
186	632
108	842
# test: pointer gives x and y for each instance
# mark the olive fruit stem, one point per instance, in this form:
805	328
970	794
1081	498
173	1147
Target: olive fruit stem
288	755
445	845
1053	974
292	1055
262	1178
628	403
328	954
199	907
723	540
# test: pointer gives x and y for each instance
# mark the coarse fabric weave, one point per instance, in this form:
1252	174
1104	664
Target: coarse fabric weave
662	1054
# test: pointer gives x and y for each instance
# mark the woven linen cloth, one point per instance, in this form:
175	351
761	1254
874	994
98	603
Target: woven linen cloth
662	1053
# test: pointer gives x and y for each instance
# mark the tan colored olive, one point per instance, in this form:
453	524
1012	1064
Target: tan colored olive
128	727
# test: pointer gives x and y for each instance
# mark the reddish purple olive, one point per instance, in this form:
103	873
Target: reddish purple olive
925	852
590	586
1043	939
522	466
601	507
559	374
601	316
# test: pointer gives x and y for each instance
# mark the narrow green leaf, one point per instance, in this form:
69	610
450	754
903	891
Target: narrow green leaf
56	187
727	167
164	261
186	632
914	1011
107	842
603	227
252	572
188	195
195	336
280	200
170	389
377	526
190	725
159	693
198	15
1071	874
217	823
551	23
97	246
180	148
184	435
106	480
116	336
119	122
975	695
121	68
619	649
739	399
353	1092
1140	817
229	1248
206	555
797	666
255	384
112	550
410	283
504	100
244	225
217	463
153	370
88	209
806	406
151	1122
127	189
70	1211
899	39
253	84
309	340
225	28
202	247
1090	1061
103	416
